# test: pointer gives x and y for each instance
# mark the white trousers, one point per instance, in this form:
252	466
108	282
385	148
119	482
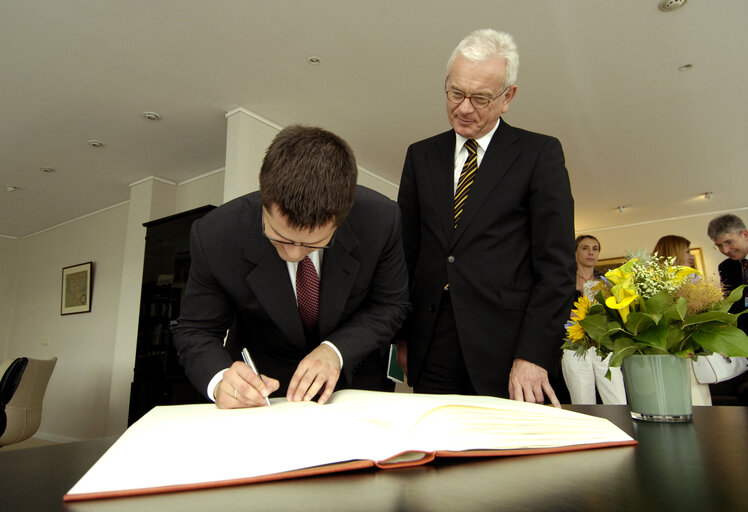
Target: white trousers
583	374
700	394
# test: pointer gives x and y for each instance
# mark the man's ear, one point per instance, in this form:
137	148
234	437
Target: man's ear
508	97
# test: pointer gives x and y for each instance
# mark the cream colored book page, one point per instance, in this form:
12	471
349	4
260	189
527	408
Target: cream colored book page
455	422
508	424
176	445
182	445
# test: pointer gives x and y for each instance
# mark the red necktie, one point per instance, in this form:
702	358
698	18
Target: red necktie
307	292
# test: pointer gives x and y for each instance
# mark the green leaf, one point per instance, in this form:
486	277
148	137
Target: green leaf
675	335
659	303
570	345
710	316
735	295
653	350
681	306
623	347
685	353
637	322
597	327
725	339
596	309
656	336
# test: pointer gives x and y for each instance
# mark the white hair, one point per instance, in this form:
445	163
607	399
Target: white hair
483	44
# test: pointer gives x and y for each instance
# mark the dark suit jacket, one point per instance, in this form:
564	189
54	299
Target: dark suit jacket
731	276
510	262
237	278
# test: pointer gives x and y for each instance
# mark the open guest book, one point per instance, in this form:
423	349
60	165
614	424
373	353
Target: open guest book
183	447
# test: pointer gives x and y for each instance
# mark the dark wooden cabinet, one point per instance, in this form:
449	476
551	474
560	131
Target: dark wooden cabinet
159	378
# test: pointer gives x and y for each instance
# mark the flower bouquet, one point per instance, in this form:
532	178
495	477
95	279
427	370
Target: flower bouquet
650	306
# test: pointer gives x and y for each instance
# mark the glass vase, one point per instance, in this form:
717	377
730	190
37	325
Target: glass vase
658	387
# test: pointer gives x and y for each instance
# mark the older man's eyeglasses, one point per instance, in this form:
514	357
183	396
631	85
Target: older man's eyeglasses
297	244
478	100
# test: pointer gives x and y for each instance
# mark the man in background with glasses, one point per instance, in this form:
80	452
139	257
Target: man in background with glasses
308	274
731	239
488	231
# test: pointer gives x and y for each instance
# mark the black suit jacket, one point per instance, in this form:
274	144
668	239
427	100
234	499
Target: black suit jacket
237	279
731	276
510	262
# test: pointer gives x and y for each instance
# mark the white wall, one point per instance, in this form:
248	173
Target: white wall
79	387
76	404
374	182
8	262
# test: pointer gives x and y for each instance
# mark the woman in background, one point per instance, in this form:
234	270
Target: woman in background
677	247
674	246
585	373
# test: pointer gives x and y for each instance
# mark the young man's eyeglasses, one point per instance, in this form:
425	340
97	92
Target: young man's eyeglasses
296	244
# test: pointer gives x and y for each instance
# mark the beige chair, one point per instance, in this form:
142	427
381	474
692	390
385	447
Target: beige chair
24	382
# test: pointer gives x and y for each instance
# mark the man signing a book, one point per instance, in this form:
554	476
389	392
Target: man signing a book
308	274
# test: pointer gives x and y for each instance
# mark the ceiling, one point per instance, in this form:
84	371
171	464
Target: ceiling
601	76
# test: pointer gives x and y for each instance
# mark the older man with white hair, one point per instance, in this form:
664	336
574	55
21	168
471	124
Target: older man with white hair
488	231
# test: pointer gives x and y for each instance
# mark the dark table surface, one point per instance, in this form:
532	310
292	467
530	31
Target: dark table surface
693	466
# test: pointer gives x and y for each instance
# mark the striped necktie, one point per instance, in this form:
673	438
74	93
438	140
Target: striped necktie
467	176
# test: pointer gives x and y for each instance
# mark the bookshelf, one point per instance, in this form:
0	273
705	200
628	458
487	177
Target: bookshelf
158	377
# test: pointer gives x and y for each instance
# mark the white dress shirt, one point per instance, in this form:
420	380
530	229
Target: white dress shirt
316	257
461	152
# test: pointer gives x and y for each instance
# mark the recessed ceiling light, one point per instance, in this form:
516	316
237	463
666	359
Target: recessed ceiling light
671	5
95	143
46	169
621	208
708	195
10	188
151	116
314	60
685	67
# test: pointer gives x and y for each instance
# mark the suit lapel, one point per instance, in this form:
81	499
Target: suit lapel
269	282
499	157
339	271
440	167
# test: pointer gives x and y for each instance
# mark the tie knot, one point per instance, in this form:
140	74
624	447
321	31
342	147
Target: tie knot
305	263
472	146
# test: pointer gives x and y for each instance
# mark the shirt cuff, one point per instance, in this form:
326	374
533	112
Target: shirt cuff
214	382
329	344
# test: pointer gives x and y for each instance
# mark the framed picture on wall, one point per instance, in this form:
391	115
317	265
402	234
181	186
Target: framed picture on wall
603	266
76	289
698	259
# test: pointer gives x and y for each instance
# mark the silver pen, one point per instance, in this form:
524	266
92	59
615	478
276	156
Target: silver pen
248	361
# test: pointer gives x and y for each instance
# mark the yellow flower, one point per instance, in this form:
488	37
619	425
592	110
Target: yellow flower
582	308
622	306
682	272
624	294
622	273
574	332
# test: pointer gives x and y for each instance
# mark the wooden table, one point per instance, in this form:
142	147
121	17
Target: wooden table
694	466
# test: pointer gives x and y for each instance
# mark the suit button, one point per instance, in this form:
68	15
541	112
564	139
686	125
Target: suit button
450	259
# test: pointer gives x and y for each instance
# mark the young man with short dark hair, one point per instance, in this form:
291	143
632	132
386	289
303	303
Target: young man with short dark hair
308	274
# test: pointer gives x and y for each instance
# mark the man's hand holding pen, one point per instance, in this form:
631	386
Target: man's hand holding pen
241	387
